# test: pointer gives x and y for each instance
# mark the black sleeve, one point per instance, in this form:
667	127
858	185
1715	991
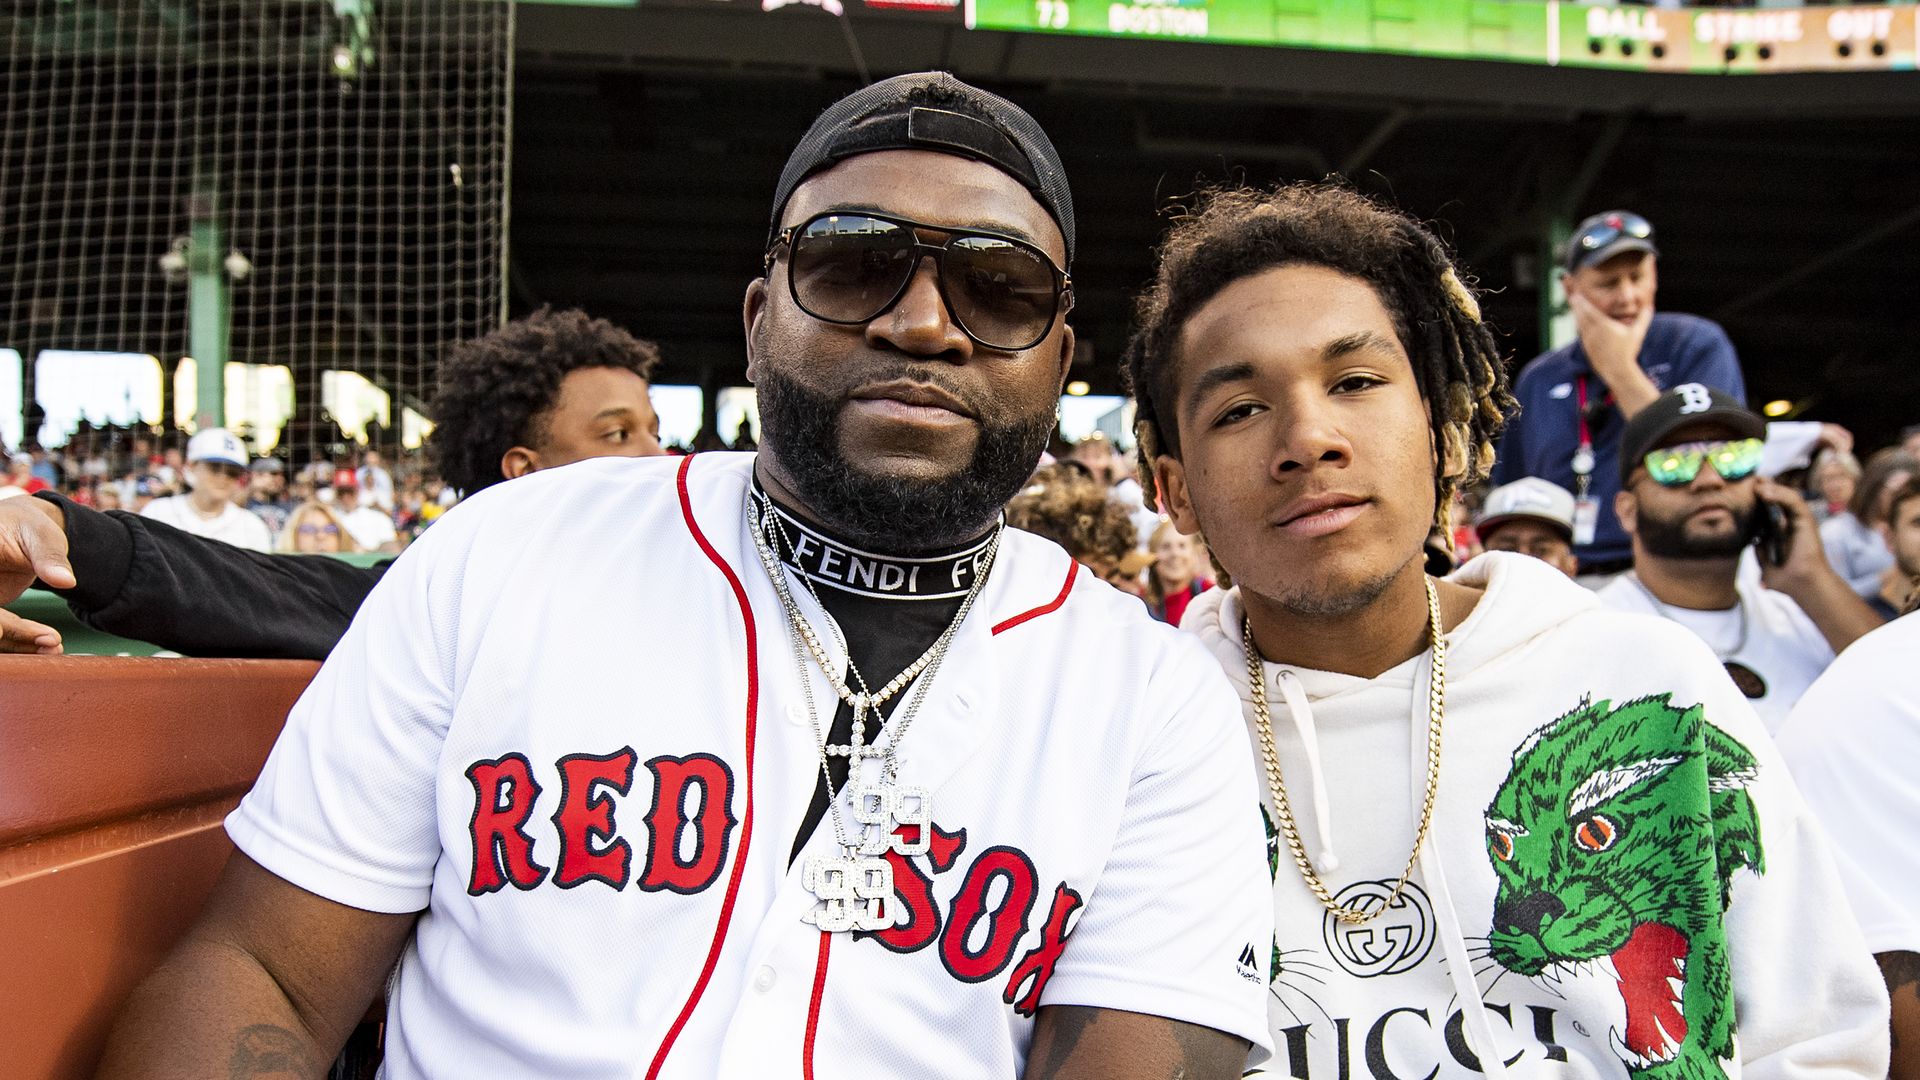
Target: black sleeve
142	579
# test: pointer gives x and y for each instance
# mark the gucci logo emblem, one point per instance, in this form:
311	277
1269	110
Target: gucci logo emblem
1394	942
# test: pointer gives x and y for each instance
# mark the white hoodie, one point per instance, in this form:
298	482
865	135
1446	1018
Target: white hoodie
1583	799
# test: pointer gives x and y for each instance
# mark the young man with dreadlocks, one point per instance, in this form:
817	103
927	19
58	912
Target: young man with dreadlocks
1510	832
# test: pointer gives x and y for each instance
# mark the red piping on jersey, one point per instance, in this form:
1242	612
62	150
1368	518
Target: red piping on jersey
746	825
1044	609
813	1009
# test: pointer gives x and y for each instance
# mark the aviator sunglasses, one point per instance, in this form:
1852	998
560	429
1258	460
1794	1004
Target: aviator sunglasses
847	268
1611	228
1676	466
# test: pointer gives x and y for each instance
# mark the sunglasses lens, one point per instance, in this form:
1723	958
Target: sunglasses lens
1736	460
1674	465
1003	293
848	268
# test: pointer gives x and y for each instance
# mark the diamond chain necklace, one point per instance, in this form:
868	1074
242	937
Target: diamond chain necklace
764	529
1263	724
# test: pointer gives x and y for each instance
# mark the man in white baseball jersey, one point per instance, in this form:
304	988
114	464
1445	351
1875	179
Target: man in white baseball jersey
1513	833
216	469
768	766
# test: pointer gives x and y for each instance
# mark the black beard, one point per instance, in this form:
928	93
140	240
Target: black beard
895	515
1668	539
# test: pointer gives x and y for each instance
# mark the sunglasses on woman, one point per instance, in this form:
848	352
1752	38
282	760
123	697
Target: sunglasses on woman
848	268
1676	466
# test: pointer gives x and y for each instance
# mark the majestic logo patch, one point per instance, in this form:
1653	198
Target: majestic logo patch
1615	838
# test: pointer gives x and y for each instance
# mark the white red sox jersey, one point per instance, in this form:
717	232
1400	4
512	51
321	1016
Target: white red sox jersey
569	727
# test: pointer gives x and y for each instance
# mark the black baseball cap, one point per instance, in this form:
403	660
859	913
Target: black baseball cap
1605	235
1688	403
932	110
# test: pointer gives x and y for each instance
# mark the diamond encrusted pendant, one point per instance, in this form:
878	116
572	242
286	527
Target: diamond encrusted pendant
853	892
892	817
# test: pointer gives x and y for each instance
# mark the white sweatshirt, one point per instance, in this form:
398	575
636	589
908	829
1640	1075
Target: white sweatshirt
1618	862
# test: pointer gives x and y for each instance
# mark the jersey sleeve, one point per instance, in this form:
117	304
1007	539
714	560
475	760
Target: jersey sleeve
1181	922
1709	358
1818	1007
1852	740
345	807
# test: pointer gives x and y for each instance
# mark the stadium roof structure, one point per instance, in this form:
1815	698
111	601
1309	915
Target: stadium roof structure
648	139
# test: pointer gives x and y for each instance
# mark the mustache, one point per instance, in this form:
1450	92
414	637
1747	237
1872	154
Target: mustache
908	371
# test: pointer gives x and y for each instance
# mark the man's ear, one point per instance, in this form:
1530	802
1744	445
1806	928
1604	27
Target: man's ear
751	308
1066	356
1170	480
518	462
1626	507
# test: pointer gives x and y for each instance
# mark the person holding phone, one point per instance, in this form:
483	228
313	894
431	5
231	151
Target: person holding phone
1693	502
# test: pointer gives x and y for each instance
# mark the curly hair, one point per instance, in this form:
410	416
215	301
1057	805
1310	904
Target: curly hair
1880	468
1234	233
1066	507
498	391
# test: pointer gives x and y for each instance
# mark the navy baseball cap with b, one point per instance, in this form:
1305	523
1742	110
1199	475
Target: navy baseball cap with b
1688	403
932	110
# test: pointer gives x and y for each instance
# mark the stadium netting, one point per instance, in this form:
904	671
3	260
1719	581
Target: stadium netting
353	153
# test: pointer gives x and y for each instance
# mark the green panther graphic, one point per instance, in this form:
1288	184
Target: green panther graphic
1615	838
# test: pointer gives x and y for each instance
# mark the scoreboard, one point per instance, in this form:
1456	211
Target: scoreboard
1700	40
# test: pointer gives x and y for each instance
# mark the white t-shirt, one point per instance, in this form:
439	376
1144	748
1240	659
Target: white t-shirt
1781	644
1601	784
569	725
235	525
378	485
370	527
1853	744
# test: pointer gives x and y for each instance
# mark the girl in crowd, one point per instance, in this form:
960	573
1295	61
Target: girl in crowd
315	528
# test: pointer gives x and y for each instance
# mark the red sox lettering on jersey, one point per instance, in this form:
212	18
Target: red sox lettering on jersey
684	850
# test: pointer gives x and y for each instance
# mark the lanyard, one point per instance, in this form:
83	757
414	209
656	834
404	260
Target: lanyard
1583	456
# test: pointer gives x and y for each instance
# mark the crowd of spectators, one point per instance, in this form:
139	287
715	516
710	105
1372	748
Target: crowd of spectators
358	500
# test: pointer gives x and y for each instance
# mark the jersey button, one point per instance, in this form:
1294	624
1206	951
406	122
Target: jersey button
764	979
796	714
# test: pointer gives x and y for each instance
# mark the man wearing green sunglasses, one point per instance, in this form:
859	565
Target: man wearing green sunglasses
1693	502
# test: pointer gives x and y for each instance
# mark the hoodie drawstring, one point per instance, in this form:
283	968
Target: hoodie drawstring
1473	1007
1301	713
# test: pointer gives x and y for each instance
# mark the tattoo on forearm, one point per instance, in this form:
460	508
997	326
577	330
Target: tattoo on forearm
1899	969
264	1050
1065	1025
1135	1044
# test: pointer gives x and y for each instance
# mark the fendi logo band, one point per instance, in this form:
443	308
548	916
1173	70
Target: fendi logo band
825	561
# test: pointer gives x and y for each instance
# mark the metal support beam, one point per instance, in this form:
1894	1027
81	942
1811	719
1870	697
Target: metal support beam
207	310
1385	130
1560	202
1820	262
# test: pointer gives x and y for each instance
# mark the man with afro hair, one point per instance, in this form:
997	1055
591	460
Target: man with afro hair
552	388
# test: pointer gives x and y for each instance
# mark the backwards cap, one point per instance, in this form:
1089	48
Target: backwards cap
932	110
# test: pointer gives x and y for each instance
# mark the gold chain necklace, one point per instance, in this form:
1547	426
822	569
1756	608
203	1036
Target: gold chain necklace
1263	723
